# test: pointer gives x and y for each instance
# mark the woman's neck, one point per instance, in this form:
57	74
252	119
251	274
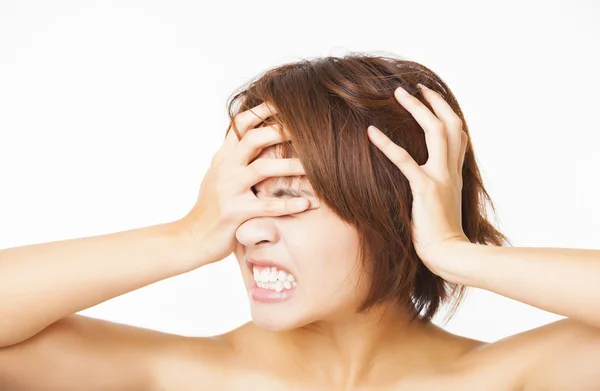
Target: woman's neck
347	351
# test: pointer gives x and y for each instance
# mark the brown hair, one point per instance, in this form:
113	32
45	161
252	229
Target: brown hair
326	104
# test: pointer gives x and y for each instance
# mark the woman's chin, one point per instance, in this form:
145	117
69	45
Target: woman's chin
273	320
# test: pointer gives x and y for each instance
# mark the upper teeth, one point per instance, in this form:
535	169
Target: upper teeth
271	278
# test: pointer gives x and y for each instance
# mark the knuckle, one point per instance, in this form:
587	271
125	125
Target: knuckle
428	185
238	120
270	206
243	118
437	93
400	156
256	137
263	170
275	127
438	128
251	136
252	143
386	142
455	121
257	167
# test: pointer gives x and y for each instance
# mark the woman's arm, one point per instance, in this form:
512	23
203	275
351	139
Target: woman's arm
44	347
560	280
562	355
563	281
42	283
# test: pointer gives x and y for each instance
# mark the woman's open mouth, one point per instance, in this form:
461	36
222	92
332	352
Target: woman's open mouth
271	284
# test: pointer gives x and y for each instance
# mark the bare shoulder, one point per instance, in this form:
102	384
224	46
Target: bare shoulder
191	363
99	354
545	358
229	361
556	356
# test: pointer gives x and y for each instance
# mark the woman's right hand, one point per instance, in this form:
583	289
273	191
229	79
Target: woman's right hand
226	199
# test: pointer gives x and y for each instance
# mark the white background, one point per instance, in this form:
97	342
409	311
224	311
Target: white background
110	112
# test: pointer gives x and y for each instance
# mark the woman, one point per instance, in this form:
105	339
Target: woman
348	240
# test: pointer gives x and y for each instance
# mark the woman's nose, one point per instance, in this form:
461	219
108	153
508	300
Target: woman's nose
257	231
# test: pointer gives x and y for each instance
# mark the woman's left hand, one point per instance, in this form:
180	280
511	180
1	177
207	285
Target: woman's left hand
436	186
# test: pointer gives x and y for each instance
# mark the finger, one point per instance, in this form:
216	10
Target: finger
224	151
229	143
247	120
435	135
464	140
278	207
399	156
254	142
452	123
263	168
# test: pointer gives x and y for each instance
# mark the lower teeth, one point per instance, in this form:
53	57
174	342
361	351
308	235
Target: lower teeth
277	286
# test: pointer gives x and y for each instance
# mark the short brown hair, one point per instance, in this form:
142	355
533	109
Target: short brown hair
326	104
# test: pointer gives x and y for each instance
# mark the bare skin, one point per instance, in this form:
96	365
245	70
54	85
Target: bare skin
108	356
44	346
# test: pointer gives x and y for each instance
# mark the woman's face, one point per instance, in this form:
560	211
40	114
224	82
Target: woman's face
315	246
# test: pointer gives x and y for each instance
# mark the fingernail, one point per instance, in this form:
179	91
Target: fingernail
401	91
300	203
373	130
314	203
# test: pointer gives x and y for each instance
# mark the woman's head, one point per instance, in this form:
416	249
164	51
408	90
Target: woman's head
355	252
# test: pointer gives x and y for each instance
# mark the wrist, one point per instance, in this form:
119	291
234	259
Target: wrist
459	262
183	247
